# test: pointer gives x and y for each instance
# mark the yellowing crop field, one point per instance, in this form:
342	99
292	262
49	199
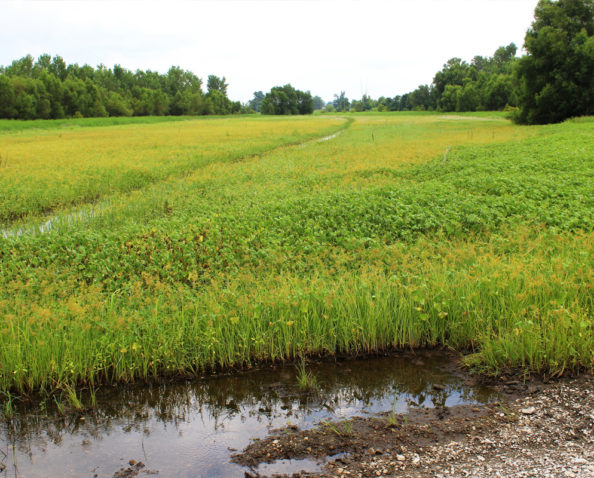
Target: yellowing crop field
42	171
255	239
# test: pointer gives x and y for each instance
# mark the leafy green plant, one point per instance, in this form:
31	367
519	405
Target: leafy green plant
8	408
306	380
342	429
73	399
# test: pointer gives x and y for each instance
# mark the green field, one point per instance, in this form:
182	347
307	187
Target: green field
178	247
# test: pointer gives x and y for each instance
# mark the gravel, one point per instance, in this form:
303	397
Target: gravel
546	434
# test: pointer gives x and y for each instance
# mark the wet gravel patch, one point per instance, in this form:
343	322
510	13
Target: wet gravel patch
535	430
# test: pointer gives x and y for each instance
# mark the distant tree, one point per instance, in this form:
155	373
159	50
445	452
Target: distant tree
498	92
58	68
318	103
481	63
341	102
221	105
468	98
159	102
216	83
393	104
453	73
364	104
49	88
405	104
383	103
305	103
449	98
422	98
236	107
42	64
25	98
557	76
286	100
256	102
7	98
503	58
246	108
116	105
22	67
179	80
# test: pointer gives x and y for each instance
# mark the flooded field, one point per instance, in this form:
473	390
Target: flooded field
192	428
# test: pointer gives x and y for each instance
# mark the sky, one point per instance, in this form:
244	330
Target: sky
379	48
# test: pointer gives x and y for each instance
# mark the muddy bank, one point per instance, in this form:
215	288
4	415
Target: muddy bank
191	428
409	414
535	430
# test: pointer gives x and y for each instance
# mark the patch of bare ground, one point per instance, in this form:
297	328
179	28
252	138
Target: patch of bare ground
535	430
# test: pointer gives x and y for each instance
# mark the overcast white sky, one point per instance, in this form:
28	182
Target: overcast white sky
383	48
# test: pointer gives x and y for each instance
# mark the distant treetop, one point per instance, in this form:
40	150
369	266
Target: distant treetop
286	100
49	88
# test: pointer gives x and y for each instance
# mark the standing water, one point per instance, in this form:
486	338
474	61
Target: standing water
191	429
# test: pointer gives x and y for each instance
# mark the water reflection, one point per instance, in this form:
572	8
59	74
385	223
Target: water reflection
81	215
188	429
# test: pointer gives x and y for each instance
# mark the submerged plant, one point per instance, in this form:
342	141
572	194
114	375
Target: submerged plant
8	408
342	429
392	418
306	380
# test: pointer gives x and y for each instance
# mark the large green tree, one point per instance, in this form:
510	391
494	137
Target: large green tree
286	100
557	76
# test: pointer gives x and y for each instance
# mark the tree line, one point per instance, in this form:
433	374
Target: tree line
554	81
50	89
283	100
486	83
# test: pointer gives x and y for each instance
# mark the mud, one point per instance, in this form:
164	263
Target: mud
536	429
192	427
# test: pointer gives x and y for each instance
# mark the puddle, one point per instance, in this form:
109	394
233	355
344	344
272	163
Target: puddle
323	139
289	467
81	215
191	429
329	137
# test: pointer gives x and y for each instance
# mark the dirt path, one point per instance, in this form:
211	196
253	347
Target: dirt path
536	430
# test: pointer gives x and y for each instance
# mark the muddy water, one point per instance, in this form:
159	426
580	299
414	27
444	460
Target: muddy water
191	429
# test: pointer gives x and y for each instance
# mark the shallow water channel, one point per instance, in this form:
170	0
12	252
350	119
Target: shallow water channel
191	429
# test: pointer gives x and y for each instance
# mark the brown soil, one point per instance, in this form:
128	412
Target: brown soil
536	430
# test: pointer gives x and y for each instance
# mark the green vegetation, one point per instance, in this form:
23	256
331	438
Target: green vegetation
48	88
550	84
369	241
342	429
306	380
65	124
557	76
484	84
40	175
286	100
555	81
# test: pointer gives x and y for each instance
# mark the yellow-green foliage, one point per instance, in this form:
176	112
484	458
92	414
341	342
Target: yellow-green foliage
45	170
370	240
